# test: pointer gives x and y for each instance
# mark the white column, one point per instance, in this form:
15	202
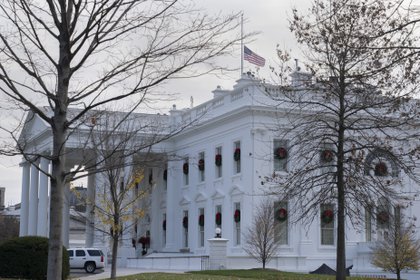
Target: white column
171	207
24	206
33	200
128	172
43	199
90	214
66	215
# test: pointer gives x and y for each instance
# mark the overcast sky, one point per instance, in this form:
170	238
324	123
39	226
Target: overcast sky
269	17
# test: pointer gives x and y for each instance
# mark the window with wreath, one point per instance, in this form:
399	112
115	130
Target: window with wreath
218	161
201	221
201	167
368	223
280	155
237	223
164	229
327	224
237	157
383	217
218	216
281	218
186	171
185	227
327	155
379	163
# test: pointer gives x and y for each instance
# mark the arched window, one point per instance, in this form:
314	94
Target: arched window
379	162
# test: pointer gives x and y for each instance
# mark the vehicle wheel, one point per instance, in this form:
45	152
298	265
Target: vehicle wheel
90	267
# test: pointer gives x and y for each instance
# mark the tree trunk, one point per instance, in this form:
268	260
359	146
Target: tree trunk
115	241
398	274
341	235
55	245
59	132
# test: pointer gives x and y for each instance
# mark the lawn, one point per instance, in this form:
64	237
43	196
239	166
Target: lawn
252	274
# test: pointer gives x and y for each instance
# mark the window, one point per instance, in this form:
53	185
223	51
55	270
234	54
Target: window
164	229
218	216
185	227
218	162
280	154
201	228
165	178
201	167
327	224
383	218
80	253
237	223
70	252
368	224
151	177
121	184
185	171
281	222
237	157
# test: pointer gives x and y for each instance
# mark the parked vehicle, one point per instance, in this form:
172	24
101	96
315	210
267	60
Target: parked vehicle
88	259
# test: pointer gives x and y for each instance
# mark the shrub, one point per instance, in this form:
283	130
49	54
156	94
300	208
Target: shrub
27	257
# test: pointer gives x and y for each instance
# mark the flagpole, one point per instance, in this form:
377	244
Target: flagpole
242	45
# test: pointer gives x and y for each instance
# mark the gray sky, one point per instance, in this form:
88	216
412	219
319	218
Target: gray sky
269	17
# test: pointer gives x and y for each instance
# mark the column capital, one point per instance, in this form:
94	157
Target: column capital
24	163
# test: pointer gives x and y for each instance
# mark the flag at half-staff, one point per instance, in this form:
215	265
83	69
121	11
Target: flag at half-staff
253	58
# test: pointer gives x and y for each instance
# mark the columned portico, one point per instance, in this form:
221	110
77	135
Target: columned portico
24	208
33	199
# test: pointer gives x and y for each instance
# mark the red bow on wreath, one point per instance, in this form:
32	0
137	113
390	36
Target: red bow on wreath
218	218
237	154
327	216
185	168
237	216
201	164
281	153
281	214
201	220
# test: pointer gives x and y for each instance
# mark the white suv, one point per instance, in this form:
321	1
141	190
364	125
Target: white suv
88	258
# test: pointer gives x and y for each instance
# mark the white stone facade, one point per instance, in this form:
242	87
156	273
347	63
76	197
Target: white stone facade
242	119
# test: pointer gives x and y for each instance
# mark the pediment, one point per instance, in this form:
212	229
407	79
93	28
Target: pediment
218	195
236	190
200	197
185	200
34	126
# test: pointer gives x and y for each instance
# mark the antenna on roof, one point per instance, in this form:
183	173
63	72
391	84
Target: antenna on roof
191	102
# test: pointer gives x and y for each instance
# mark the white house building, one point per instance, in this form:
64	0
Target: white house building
212	176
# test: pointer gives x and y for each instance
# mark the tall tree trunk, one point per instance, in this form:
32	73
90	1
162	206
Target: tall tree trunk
398	274
58	181
341	235
115	241
55	245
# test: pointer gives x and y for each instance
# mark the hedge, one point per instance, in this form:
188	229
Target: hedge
27	258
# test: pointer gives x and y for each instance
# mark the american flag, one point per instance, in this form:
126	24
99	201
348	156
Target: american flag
253	58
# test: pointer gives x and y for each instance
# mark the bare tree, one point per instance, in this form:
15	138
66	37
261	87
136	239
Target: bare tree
400	249
85	54
351	121
260	238
122	155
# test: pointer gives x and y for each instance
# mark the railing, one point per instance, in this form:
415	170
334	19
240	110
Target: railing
205	263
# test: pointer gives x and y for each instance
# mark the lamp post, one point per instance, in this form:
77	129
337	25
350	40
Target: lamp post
218	232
